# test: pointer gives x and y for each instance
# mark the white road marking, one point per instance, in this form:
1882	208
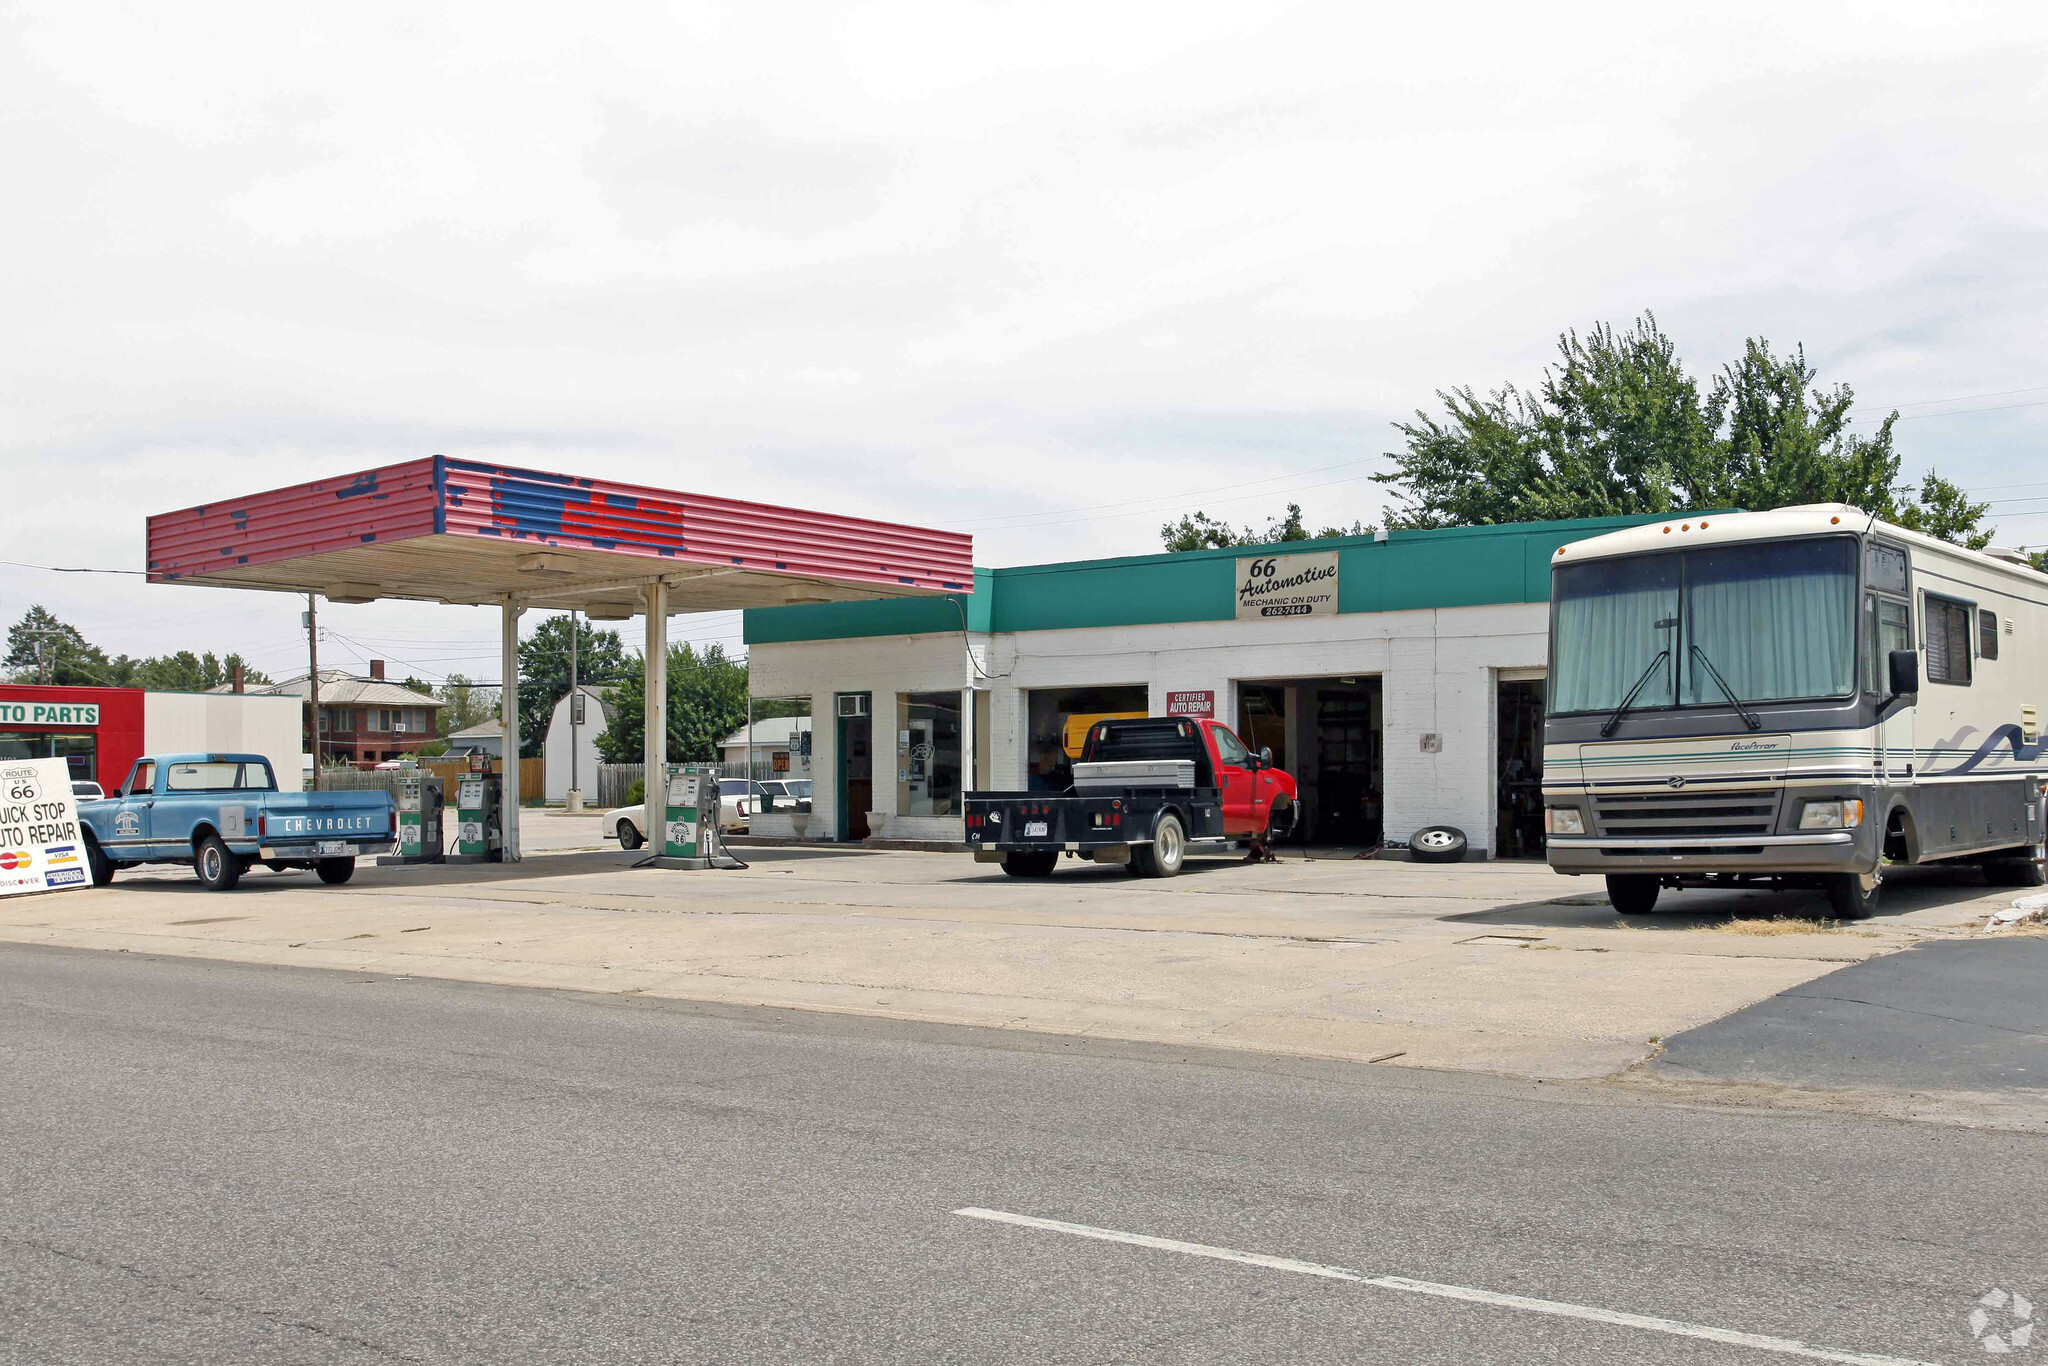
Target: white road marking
1783	1346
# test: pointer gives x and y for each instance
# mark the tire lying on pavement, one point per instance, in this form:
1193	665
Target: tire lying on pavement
1437	844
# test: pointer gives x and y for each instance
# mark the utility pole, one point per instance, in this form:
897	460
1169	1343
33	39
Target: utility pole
575	707
313	681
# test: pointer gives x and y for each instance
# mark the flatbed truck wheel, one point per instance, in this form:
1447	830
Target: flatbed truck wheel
1166	853
1031	863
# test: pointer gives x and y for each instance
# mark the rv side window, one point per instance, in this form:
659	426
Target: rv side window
1887	626
1987	634
1946	625
1886	566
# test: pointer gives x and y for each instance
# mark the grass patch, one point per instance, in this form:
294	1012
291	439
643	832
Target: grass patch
1777	924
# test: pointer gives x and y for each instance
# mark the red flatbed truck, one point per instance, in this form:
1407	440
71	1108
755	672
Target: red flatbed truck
1147	793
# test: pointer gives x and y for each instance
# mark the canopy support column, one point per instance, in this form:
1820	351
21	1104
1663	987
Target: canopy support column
508	744
655	752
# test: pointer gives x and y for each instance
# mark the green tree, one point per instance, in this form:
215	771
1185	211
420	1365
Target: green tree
184	672
1617	426
43	649
544	672
467	703
707	701
1941	509
1197	531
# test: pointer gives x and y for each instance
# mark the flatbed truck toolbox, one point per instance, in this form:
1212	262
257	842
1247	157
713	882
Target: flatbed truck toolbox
1147	792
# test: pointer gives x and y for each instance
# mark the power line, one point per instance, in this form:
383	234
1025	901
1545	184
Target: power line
71	569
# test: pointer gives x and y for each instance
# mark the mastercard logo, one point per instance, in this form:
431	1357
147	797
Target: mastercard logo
15	858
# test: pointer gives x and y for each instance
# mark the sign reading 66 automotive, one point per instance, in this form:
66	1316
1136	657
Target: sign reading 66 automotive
41	846
1287	586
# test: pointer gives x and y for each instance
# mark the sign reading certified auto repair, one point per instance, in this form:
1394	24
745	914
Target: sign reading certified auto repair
1287	586
41	847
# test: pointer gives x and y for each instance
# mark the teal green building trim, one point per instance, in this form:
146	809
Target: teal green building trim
1450	567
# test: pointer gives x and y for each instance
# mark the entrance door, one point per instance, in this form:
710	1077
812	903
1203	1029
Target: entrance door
1518	766
856	776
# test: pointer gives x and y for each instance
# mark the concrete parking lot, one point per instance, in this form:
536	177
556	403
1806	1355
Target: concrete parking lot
1501	967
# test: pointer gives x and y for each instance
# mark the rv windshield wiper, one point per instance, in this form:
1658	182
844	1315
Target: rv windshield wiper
1749	718
1608	728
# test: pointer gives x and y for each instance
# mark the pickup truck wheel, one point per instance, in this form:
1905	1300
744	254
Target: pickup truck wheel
218	868
96	860
335	871
1168	850
1038	863
629	836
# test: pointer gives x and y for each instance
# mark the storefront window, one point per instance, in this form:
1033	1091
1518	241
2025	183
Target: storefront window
79	752
928	754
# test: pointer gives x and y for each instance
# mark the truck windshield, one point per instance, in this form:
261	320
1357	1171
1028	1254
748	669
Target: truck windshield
1775	619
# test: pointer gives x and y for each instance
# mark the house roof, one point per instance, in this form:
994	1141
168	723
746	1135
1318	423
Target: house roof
482	730
339	688
769	730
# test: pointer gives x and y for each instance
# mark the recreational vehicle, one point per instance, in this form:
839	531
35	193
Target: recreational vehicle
1797	697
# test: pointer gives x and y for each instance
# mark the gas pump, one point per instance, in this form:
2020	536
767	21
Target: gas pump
478	838
420	806
692	824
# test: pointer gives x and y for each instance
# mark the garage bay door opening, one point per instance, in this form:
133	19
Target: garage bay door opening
1518	739
1057	721
1328	733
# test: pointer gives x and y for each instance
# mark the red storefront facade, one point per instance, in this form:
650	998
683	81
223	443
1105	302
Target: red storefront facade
98	731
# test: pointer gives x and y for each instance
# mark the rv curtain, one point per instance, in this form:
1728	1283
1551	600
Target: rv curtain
1778	621
1613	617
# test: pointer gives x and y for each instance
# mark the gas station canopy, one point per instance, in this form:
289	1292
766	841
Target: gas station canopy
462	531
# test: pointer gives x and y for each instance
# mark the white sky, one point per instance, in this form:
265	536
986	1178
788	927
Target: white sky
970	265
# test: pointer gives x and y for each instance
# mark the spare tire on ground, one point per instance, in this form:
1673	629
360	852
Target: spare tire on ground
1437	844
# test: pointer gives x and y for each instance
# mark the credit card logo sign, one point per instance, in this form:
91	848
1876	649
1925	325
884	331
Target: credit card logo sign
64	877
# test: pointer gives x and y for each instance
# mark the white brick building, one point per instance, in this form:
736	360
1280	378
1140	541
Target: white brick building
1408	693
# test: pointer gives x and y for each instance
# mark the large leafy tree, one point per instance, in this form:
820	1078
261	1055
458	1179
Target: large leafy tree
40	647
466	703
707	701
1618	426
544	672
43	649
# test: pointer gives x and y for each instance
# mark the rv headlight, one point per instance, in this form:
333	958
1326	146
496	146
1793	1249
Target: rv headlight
1563	820
1831	816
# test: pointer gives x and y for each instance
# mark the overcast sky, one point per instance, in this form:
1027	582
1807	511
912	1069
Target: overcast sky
1050	273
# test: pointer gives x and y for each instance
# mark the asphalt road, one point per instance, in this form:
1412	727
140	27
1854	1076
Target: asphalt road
1954	1015
206	1162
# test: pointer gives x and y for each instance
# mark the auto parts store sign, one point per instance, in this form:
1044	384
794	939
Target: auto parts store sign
1287	586
51	713
41	847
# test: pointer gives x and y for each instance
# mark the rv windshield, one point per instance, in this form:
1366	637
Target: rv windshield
1776	620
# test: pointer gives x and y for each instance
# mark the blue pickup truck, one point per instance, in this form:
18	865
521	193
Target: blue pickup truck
222	814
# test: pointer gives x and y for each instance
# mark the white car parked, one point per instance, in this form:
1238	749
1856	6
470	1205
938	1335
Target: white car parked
627	824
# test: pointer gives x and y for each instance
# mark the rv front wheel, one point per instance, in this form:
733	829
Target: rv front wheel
1632	893
1853	896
